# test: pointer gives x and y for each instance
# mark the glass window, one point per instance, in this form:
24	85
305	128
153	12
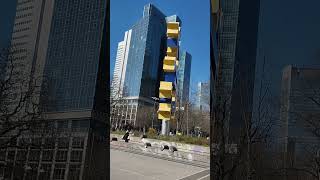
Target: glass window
59	171
49	143
74	172
47	155
34	155
61	156
77	142
11	155
31	172
63	143
36	143
76	156
74	52
80	124
22	155
3	153
45	171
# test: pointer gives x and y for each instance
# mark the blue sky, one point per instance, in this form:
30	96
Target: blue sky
195	36
288	34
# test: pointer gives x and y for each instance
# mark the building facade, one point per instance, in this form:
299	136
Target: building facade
183	76
120	66
203	97
299	112
29	44
145	54
234	28
61	44
144	64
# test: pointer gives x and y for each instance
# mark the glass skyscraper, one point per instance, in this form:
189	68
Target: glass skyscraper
74	84
183	76
71	64
120	66
300	113
203	95
63	45
143	69
234	29
146	54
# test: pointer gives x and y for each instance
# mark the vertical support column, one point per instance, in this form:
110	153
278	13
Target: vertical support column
167	90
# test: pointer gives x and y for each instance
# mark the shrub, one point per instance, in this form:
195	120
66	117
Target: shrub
151	133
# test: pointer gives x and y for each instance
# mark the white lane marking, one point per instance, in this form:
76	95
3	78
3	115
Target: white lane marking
204	177
194	173
133	172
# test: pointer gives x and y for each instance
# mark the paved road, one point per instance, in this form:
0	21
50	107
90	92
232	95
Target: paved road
129	166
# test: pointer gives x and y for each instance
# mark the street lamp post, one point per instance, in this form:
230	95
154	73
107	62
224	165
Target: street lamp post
187	119
118	119
154	107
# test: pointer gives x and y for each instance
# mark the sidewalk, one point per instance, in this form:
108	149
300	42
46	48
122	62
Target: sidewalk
184	152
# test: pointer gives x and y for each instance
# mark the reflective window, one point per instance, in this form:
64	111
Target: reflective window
147	39
73	54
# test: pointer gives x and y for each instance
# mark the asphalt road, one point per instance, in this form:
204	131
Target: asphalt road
129	166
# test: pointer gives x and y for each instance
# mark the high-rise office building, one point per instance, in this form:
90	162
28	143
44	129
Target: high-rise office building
183	77
61	45
203	96
299	112
234	28
29	42
120	65
146	53
143	69
73	73
27	53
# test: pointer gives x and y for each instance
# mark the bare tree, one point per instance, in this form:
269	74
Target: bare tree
18	110
311	164
116	100
301	159
251	137
22	121
144	116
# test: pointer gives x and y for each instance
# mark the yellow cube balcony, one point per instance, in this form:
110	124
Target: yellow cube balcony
170	59
169	68
172	51
165	107
165	85
169	64
164	115
172	25
165	89
165	94
173	33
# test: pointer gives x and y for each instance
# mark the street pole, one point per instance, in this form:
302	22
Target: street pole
187	119
178	119
154	108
